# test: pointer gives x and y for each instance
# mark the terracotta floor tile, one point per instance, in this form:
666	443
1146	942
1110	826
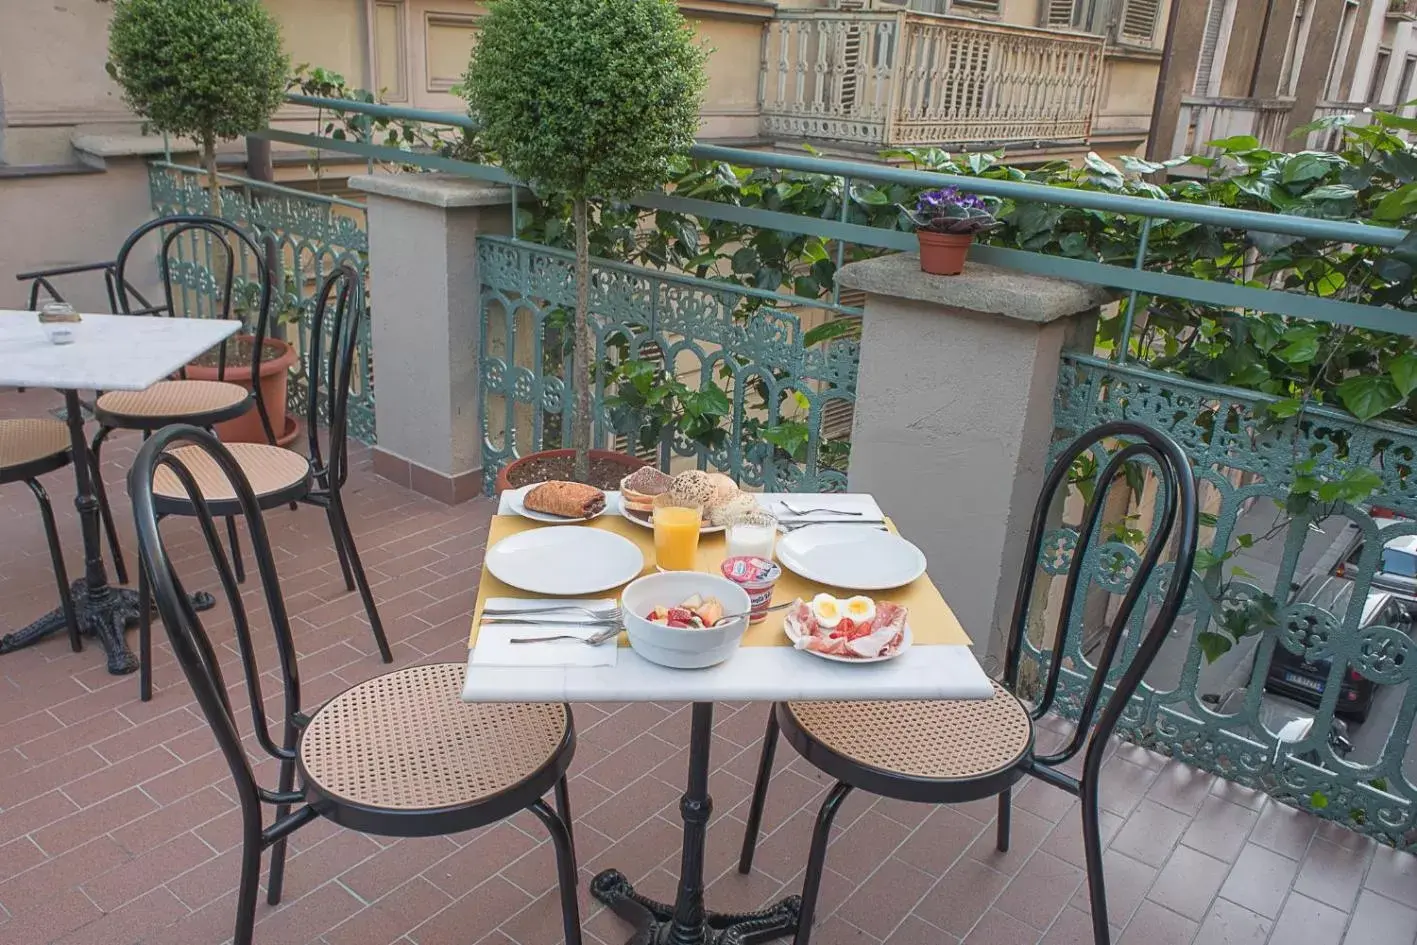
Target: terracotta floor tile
999	928
1308	921
1073	927
1285	830
1220	828
1393	874
1156	925
1260	880
1188	882
961	896
885	899
1229	924
1040	890
1151	833
1127	882
1181	787
1379	919
1331	874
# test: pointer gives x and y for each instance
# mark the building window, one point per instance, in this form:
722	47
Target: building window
1333	89
974	6
1375	85
1294	51
1404	84
1137	24
1084	15
1207	76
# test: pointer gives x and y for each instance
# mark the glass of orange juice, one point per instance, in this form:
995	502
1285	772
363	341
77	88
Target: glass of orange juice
676	533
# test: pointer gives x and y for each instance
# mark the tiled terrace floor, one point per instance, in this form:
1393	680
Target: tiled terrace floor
117	824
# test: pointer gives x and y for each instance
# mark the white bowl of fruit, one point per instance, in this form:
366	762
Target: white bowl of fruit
675	618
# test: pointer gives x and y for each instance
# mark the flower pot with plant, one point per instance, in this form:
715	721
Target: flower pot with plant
585	100
946	222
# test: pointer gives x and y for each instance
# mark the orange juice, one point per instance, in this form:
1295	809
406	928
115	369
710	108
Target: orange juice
676	536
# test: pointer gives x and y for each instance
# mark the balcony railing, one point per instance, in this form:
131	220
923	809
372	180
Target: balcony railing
903	79
1202	120
1359	114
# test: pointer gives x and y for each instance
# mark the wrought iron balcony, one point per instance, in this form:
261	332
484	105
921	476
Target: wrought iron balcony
1402	9
1202	120
903	78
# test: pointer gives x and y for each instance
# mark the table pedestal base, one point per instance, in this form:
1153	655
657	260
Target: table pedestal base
654	921
104	615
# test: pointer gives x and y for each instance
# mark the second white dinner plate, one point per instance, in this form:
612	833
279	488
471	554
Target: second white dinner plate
565	560
850	556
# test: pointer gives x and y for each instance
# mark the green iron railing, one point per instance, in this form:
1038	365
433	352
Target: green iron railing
314	234
1243	456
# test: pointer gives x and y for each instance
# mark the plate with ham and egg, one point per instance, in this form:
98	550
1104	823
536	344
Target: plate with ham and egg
851	630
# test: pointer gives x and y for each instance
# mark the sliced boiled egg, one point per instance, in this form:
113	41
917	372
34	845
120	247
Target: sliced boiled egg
827	610
860	609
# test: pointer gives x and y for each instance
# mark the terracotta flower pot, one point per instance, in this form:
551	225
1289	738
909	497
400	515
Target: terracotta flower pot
942	254
505	474
276	358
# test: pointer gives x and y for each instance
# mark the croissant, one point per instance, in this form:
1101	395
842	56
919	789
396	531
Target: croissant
571	499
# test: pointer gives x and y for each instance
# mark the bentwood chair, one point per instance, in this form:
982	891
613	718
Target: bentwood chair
278	475
202	403
398	755
953	752
30	448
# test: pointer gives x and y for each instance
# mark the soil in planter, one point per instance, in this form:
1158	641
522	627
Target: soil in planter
604	474
238	353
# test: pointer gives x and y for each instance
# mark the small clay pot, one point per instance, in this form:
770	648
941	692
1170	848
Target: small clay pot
942	254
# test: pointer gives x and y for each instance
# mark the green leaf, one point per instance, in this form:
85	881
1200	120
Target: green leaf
1237	143
1318	800
745	261
1403	371
1331	192
1207	559
1396	204
1301	349
1389	120
1303	167
1213	645
1367	395
826	331
1284	409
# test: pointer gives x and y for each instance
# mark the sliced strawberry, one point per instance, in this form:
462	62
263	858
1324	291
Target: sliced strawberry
680	614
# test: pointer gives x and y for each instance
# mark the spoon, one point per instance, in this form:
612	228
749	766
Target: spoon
727	617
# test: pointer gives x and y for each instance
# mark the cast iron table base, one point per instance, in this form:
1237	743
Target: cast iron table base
103	611
687	922
104	615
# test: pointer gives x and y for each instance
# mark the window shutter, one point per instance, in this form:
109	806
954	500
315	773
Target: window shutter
1060	14
975	6
1210	41
1138	23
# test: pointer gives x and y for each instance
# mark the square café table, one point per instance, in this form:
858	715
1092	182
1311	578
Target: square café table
109	352
766	668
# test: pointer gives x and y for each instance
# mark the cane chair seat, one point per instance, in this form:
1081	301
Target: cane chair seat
276	475
947	742
405	743
25	441
173	402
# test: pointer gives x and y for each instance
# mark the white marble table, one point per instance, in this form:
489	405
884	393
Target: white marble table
755	674
109	352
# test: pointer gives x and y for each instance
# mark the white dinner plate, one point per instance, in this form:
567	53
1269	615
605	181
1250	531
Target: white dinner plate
793	631
643	519
516	499
565	560
850	556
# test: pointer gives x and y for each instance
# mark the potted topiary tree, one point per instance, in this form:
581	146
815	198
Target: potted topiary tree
211	70
585	100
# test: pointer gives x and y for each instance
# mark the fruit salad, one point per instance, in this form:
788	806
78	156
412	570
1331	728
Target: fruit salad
855	628
696	613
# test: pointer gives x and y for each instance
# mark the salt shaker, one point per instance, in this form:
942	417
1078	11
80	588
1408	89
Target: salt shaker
60	322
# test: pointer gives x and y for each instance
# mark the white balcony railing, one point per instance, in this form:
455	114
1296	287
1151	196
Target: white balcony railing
902	79
1360	114
1202	120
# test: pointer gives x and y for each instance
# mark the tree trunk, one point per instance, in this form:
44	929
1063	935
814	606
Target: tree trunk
209	159
584	346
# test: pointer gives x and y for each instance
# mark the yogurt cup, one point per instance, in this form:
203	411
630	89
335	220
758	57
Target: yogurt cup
756	576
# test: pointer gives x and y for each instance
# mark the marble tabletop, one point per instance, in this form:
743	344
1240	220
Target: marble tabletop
753	674
109	352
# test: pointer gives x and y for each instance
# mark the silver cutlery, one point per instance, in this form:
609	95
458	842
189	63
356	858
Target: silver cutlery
546	621
792	511
607	613
727	617
595	639
876	523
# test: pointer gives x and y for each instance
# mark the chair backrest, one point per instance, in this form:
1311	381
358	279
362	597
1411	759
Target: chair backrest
223	244
190	642
339	311
1177	513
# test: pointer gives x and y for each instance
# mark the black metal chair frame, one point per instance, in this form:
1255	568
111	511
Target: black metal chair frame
29	474
1177	490
322	486
232	239
293	808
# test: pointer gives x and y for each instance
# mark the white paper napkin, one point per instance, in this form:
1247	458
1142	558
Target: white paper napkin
838	502
494	646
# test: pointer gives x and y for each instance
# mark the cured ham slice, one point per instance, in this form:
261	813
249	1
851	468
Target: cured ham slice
881	636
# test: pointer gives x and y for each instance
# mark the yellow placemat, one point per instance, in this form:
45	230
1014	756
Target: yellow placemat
931	620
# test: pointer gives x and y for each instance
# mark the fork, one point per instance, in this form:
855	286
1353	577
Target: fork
876	523
595	639
613	613
792	511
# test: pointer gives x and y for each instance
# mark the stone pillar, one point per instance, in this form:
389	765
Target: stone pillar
954	416
426	295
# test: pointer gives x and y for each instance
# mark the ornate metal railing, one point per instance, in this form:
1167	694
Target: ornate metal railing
902	79
1244	457
1202	120
705	332
314	234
